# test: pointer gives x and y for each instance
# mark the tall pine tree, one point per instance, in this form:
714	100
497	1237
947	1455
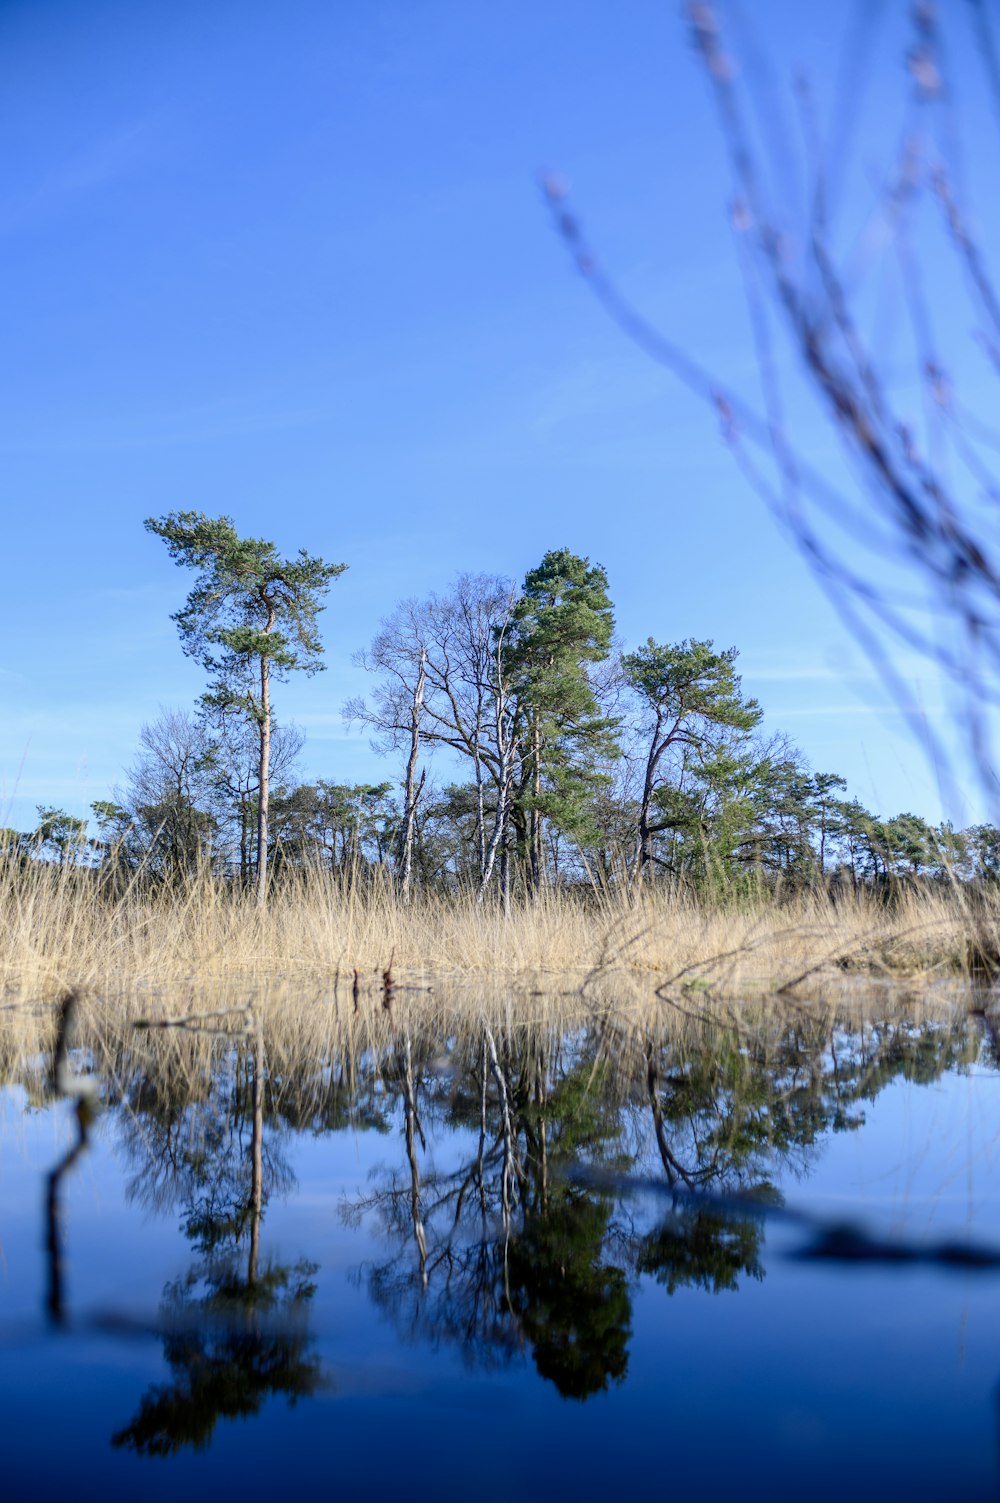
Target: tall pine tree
250	619
563	623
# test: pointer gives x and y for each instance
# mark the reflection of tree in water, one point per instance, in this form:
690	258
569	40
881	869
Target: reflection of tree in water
191	1147
571	1301
741	1096
83	1091
509	1231
510	1248
702	1248
234	1343
502	1250
573	1307
236	1331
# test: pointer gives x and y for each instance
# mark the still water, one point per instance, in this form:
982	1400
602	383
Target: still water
749	1251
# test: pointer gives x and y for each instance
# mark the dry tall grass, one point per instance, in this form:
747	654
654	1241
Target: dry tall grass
58	931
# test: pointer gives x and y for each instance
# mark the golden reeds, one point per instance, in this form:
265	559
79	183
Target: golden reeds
60	929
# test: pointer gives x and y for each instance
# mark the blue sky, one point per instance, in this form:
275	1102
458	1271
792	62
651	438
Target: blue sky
291	263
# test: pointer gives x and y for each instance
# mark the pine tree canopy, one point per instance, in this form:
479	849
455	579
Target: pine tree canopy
247	601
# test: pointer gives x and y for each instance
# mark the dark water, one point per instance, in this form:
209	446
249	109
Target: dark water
753	1253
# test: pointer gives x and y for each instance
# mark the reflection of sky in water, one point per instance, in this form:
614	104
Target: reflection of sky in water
817	1380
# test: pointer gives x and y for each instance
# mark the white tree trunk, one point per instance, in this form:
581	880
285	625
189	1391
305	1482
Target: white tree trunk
411	787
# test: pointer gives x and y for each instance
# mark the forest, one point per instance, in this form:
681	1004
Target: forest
526	749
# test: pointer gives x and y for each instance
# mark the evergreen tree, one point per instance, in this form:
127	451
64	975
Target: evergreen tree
250	618
690	694
60	833
562	623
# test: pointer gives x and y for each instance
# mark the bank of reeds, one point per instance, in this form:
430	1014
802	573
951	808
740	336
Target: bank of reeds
60	929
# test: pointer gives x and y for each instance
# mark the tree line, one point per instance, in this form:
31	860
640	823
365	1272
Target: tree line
572	761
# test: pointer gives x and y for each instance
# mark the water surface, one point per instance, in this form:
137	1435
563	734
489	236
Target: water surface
447	1253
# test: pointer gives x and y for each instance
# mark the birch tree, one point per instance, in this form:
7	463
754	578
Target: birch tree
412	785
444	683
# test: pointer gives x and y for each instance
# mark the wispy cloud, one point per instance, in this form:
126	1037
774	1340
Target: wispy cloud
230	417
845	711
911	669
87	170
796	674
606	388
326	727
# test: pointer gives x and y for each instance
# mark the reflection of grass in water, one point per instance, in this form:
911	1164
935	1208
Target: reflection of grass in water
57	929
328	1064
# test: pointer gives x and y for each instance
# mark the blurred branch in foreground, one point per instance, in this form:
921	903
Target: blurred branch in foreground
900	534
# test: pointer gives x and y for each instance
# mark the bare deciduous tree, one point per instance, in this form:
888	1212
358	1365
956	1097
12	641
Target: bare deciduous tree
444	682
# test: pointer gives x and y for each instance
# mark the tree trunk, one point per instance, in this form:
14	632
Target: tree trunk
505	878
505	773
256	1156
480	814
481	841
413	1130
244	844
644	847
536	853
411	788
265	766
644	851
498	835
